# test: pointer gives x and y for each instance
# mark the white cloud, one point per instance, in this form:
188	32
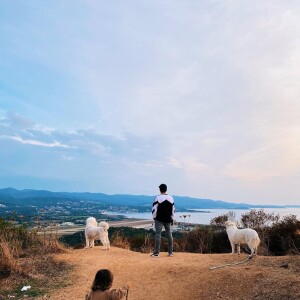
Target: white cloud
191	166
68	157
54	144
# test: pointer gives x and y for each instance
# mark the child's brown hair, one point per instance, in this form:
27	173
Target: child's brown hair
103	280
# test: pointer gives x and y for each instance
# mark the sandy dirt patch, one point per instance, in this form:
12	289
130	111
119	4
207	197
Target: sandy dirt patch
184	276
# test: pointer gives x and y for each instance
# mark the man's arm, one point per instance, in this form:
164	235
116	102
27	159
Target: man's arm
173	212
154	208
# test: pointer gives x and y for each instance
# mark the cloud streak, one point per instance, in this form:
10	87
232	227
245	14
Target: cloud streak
54	144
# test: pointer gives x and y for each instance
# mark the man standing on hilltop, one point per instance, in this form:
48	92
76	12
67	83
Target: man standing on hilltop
163	214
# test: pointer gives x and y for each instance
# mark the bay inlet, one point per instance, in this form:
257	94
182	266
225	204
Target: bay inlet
204	216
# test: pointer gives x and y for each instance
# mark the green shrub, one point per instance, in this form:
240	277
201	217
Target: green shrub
284	237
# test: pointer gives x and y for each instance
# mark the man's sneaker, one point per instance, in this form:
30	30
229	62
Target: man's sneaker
154	255
170	255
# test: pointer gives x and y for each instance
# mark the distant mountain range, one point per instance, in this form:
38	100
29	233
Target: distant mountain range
40	198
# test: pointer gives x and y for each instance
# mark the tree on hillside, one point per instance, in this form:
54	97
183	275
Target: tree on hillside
220	220
258	219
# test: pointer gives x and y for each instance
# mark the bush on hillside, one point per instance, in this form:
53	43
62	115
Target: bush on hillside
258	219
135	239
75	240
18	237
277	237
13	241
284	236
27	258
220	242
220	220
205	239
198	240
8	263
19	242
119	240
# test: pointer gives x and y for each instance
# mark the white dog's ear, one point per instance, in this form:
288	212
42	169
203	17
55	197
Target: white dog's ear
229	223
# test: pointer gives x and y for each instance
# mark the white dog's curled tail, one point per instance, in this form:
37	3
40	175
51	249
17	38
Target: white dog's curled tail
254	242
104	225
258	241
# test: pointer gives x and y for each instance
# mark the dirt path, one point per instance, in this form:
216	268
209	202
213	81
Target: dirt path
184	276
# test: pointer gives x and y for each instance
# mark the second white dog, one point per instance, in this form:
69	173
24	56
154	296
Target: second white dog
94	232
242	236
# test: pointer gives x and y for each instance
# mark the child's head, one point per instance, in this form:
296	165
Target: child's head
103	280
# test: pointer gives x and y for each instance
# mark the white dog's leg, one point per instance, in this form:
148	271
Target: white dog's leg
253	244
253	252
232	248
92	243
103	241
238	249
87	242
107	241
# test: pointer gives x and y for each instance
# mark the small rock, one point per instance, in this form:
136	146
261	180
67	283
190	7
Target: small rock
285	266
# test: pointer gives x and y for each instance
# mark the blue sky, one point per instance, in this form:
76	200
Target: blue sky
118	97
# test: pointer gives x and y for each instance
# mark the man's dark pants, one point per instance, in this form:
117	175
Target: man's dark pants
158	229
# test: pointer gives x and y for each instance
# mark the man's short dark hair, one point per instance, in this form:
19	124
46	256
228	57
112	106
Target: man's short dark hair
163	188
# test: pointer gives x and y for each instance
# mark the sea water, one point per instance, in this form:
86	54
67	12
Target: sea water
204	216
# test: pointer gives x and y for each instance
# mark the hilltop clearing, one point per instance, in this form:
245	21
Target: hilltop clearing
184	276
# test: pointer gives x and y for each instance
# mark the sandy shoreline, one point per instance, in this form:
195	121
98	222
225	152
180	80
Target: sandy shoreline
134	223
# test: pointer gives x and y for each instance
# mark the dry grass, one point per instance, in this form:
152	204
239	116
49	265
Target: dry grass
28	259
8	263
41	271
118	240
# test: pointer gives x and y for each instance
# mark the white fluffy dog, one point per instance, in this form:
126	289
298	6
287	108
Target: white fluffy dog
242	236
94	232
